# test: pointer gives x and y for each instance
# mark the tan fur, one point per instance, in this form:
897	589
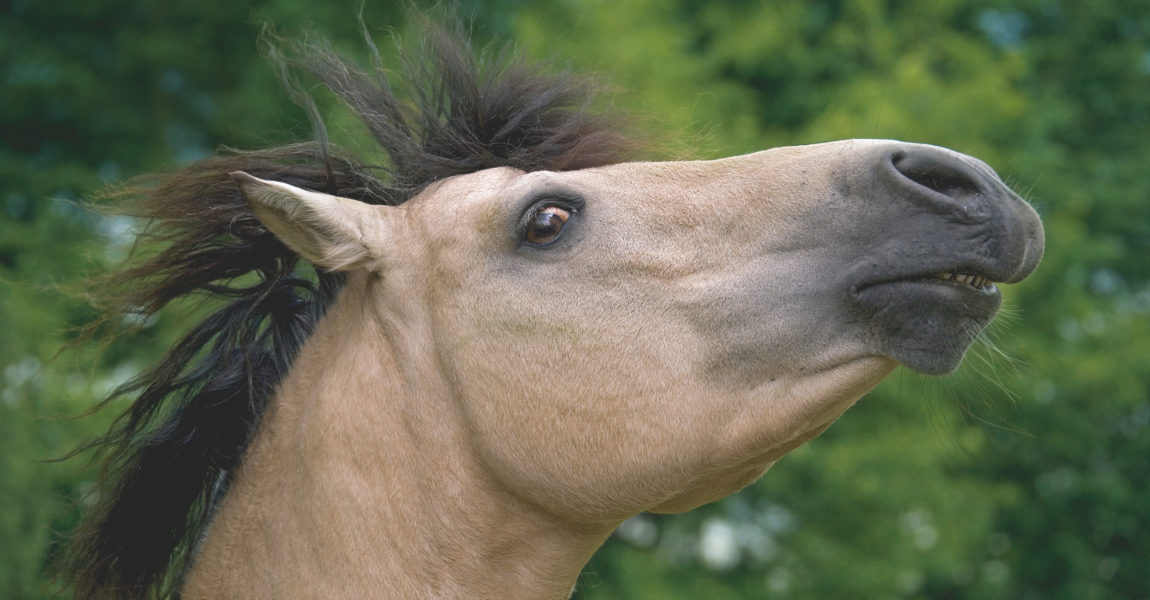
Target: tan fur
471	420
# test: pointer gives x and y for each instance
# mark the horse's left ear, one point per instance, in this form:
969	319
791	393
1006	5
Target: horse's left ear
337	234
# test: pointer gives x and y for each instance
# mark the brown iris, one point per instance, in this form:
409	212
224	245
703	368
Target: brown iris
546	225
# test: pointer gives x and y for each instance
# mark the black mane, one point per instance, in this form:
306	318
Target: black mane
169	456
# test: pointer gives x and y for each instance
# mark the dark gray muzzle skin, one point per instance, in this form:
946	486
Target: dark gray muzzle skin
943	213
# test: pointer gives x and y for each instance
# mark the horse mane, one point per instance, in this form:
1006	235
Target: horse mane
169	456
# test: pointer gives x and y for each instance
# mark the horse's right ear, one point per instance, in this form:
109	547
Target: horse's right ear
337	234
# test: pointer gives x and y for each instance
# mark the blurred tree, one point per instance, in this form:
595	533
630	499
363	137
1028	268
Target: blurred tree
1005	496
1019	477
94	92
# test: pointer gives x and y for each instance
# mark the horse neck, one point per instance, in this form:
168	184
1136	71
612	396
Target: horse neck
361	483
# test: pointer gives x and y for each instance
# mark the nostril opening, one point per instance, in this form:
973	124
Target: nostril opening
938	173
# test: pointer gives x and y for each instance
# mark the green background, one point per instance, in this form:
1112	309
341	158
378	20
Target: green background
1024	475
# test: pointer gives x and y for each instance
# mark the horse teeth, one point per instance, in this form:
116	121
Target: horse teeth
978	281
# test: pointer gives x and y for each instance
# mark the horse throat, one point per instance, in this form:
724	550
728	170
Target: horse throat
360	483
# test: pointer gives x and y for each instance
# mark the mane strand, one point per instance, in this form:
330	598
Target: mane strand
170	455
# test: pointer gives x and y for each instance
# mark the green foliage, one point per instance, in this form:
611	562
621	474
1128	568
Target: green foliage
1025	471
1019	477
95	92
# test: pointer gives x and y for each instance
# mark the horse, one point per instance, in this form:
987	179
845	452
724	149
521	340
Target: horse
455	373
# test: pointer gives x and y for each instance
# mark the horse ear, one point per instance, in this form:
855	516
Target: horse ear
337	234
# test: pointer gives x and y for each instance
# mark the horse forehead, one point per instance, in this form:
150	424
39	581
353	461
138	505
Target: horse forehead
483	193
460	190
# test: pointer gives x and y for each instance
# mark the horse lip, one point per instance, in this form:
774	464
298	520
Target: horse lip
982	280
1005	258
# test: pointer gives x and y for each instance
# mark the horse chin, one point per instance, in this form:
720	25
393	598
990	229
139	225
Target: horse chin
928	324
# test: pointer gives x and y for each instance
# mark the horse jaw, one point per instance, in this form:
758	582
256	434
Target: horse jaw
798	409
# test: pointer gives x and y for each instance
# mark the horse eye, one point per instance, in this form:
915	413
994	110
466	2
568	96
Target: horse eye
546	224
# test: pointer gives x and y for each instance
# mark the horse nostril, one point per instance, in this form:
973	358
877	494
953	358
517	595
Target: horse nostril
939	173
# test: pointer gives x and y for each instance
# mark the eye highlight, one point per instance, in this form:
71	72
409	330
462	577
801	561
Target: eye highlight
544	224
